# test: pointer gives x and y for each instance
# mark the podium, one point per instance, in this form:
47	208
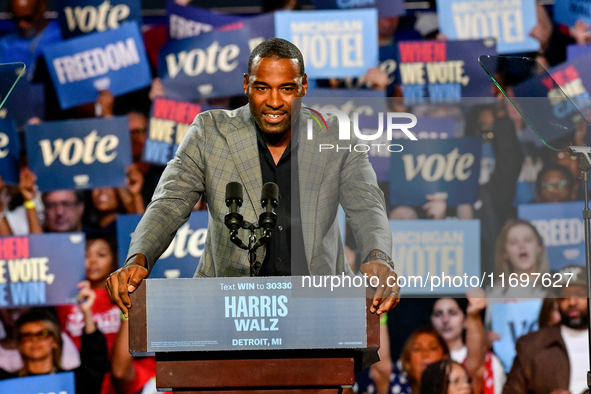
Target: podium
253	335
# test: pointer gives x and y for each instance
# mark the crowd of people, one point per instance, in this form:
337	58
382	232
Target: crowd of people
430	346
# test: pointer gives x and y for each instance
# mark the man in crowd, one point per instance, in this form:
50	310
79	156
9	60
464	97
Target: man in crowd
556	359
63	211
254	145
34	32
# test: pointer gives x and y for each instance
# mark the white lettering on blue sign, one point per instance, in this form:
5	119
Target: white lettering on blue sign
183	28
186	241
73	150
434	167
4	141
561	232
210	60
97	61
100	18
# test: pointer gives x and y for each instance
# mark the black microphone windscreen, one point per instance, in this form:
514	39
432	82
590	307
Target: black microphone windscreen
270	191
233	191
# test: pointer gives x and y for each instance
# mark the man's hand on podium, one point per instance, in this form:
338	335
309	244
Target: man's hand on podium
387	294
125	280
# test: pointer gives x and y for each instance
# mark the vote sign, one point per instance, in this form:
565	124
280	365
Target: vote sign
450	166
79	154
182	256
40	269
422	249
113	60
9	151
333	43
79	17
209	65
561	227
509	22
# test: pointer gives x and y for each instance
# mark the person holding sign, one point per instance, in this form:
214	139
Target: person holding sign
40	345
253	145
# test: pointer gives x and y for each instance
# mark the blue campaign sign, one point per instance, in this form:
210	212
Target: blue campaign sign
209	65
169	122
450	167
384	7
334	43
444	68
422	249
113	60
258	28
62	383
561	227
41	269
512	320
570	11
9	152
79	154
574	51
509	22
188	21
181	258
78	17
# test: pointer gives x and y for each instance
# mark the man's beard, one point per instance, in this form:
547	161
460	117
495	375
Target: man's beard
576	323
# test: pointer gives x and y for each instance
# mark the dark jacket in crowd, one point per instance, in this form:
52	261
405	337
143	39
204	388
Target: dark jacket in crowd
94	364
541	364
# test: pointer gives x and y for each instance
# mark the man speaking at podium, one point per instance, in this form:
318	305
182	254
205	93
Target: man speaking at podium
253	145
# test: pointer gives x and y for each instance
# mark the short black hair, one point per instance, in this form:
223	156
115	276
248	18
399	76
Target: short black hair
277	48
557	167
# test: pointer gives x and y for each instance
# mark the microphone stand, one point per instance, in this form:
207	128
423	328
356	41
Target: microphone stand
582	153
253	243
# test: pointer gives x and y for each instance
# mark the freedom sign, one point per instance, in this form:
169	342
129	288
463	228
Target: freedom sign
41	269
509	22
384	7
425	248
512	320
181	258
570	11
450	166
209	65
561	227
113	60
78	17
334	44
188	21
9	151
444	68
169	122
62	383
79	154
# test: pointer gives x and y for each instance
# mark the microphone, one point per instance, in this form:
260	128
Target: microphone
233	220
269	198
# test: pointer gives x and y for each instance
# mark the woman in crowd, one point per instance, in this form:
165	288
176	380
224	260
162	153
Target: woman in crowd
40	345
423	347
445	377
101	260
549	313
520	254
459	322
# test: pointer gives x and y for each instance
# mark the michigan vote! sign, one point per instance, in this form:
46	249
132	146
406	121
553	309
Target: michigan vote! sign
41	269
333	43
508	21
113	60
79	154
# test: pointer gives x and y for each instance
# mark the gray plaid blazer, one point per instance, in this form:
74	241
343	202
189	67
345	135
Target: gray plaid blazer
221	147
